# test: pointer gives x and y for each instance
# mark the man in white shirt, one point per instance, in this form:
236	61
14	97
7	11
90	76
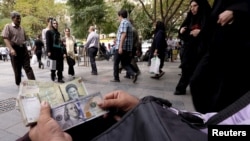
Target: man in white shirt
92	46
44	35
171	47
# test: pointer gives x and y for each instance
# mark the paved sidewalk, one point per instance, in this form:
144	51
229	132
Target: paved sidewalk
12	127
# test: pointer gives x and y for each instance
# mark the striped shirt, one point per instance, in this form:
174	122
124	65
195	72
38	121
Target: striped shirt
125	26
16	35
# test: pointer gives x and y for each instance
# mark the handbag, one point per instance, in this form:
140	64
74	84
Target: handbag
155	65
70	61
33	59
150	120
51	64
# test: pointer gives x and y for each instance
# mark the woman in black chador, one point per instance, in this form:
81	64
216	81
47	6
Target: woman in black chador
55	50
223	74
159	46
192	48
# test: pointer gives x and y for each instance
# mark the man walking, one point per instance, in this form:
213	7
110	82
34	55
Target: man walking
123	48
44	35
14	38
92	46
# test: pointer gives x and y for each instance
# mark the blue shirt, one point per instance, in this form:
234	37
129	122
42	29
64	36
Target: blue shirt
125	26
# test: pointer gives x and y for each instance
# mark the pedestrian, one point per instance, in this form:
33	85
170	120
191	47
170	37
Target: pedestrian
14	38
123	48
159	46
92	45
135	50
44	35
189	32
171	46
55	50
222	75
70	44
4	52
38	49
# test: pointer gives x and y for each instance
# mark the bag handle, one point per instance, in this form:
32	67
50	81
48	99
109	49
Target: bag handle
160	101
239	104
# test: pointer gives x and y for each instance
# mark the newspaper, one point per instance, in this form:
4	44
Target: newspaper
33	92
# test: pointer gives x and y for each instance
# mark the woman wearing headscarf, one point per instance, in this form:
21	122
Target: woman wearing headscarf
192	48
55	50
159	46
222	76
70	45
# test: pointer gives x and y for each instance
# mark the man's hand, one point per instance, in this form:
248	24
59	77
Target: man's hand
47	129
12	52
120	50
120	100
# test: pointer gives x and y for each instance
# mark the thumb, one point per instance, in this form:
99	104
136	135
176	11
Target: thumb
45	113
109	103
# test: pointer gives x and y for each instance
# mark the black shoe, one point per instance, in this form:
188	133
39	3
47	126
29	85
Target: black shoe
93	73
135	77
128	77
155	76
60	81
161	74
177	92
53	78
120	70
115	80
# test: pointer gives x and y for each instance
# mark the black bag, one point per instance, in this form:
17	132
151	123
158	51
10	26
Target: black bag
151	120
70	61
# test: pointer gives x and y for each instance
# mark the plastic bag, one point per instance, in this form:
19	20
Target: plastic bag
33	59
155	65
51	64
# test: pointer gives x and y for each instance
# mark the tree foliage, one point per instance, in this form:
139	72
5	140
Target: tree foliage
34	14
168	11
84	13
171	12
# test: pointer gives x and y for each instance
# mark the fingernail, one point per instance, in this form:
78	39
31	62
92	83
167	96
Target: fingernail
43	103
99	103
